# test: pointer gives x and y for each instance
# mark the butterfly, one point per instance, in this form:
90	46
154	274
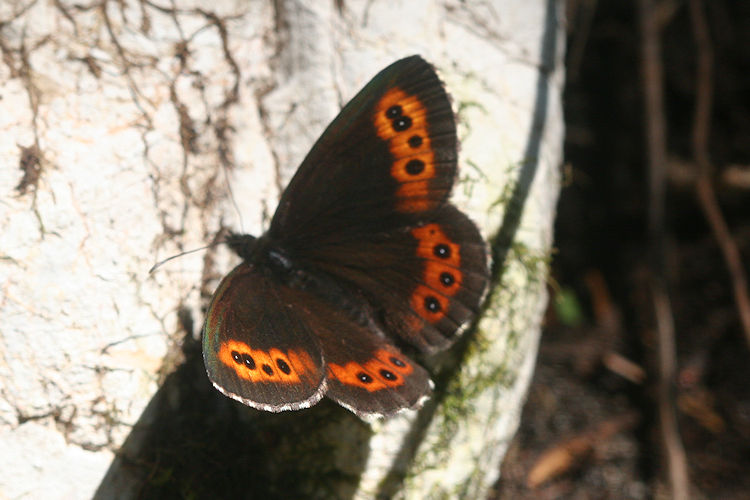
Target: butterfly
364	254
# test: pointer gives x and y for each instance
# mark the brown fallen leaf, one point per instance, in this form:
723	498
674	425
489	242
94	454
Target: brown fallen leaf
569	454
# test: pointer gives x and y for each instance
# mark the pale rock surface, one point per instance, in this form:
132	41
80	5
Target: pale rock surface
138	145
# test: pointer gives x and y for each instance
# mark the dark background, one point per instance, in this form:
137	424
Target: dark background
590	428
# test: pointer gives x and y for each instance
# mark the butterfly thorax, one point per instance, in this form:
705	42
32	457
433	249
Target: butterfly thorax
261	251
267	254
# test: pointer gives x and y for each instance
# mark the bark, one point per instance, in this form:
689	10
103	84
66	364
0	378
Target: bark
136	129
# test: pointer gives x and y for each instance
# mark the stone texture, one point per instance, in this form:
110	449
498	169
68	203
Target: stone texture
132	132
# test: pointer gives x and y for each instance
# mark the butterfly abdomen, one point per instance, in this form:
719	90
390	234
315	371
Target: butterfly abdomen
345	299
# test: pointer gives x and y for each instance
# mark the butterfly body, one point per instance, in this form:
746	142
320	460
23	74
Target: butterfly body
364	254
270	258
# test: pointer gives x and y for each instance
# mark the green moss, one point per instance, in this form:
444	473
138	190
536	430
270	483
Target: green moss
464	106
536	263
467	182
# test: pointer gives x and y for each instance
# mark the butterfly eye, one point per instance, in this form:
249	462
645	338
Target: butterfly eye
388	375
397	362
283	366
364	378
394	111
447	279
415	167
236	357
442	250
415	141
431	304
248	361
401	123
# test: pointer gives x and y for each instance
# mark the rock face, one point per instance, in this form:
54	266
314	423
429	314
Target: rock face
133	131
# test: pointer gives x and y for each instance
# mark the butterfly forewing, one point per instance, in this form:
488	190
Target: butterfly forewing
388	157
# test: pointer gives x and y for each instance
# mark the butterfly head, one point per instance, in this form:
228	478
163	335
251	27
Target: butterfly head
244	245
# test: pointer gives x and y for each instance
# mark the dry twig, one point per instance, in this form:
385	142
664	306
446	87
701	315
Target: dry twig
704	186
657	162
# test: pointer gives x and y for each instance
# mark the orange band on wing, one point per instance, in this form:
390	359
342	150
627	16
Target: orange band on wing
401	120
442	272
274	365
435	244
386	369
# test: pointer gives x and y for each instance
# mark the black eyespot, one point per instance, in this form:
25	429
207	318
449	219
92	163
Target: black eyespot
248	361
442	250
388	375
415	167
401	123
415	141
394	111
268	369
397	362
236	357
447	279
364	378
283	366
431	304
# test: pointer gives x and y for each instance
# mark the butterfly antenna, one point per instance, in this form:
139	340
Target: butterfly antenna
231	196
159	264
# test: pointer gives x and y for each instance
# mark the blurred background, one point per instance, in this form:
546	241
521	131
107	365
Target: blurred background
653	249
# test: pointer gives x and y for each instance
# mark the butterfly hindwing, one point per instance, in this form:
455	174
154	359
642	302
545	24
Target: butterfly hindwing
259	350
448	290
369	375
425	282
275	347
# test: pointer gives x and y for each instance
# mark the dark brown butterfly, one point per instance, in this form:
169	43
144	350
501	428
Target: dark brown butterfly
363	253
